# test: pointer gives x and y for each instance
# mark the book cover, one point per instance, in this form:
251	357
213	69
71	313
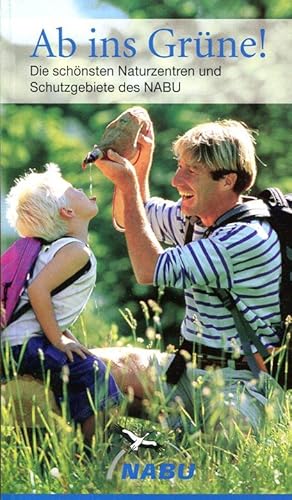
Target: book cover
69	69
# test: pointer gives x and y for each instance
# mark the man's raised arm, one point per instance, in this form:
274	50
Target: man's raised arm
142	166
143	247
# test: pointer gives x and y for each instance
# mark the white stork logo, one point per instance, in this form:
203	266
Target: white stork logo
137	442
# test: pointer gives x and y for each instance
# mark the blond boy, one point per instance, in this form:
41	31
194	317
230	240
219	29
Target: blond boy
46	206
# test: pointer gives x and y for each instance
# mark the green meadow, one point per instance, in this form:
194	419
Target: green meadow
50	457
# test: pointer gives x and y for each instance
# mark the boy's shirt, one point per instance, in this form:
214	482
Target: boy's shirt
68	304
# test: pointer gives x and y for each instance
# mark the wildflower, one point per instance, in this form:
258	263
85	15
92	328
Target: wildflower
150	333
206	391
54	472
235	348
145	310
152	374
130	318
114	334
186	355
154	306
197	324
277	476
156	320
170	348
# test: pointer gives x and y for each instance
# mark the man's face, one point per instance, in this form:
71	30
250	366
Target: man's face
199	192
83	206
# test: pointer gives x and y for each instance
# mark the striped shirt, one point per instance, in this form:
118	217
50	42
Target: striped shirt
241	257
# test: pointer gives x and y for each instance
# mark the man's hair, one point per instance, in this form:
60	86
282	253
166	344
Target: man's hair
34	203
222	146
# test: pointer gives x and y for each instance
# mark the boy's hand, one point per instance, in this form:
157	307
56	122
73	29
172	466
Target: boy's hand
70	335
69	347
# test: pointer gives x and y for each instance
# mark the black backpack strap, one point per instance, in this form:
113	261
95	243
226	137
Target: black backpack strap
26	307
243	212
274	197
246	333
178	364
189	233
254	209
73	278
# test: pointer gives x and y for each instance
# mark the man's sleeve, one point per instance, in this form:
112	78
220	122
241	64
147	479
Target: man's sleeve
204	263
167	222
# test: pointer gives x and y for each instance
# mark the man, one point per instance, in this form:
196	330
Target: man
216	165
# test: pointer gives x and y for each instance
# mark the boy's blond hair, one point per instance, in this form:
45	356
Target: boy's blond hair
222	146
34	203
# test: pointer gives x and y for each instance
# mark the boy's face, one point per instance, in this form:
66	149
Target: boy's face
83	206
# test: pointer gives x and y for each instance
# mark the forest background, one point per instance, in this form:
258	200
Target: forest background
32	135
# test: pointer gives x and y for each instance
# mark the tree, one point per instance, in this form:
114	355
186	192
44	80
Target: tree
34	135
171	9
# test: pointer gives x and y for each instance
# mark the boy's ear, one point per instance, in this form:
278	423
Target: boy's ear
66	213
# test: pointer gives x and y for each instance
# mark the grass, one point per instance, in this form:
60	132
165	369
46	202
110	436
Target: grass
52	458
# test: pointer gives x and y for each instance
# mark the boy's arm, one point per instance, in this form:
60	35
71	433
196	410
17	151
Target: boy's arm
65	264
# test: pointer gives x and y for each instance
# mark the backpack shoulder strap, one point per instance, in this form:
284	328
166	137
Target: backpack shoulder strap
243	212
253	209
245	332
73	278
26	307
274	197
189	233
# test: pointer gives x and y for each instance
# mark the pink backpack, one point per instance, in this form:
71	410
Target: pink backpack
17	264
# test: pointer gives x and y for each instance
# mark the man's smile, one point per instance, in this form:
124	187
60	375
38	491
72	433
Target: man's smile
186	195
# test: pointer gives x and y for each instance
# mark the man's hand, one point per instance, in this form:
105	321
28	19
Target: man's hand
68	346
143	162
118	170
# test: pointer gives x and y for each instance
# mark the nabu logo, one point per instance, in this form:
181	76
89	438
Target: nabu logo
164	470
